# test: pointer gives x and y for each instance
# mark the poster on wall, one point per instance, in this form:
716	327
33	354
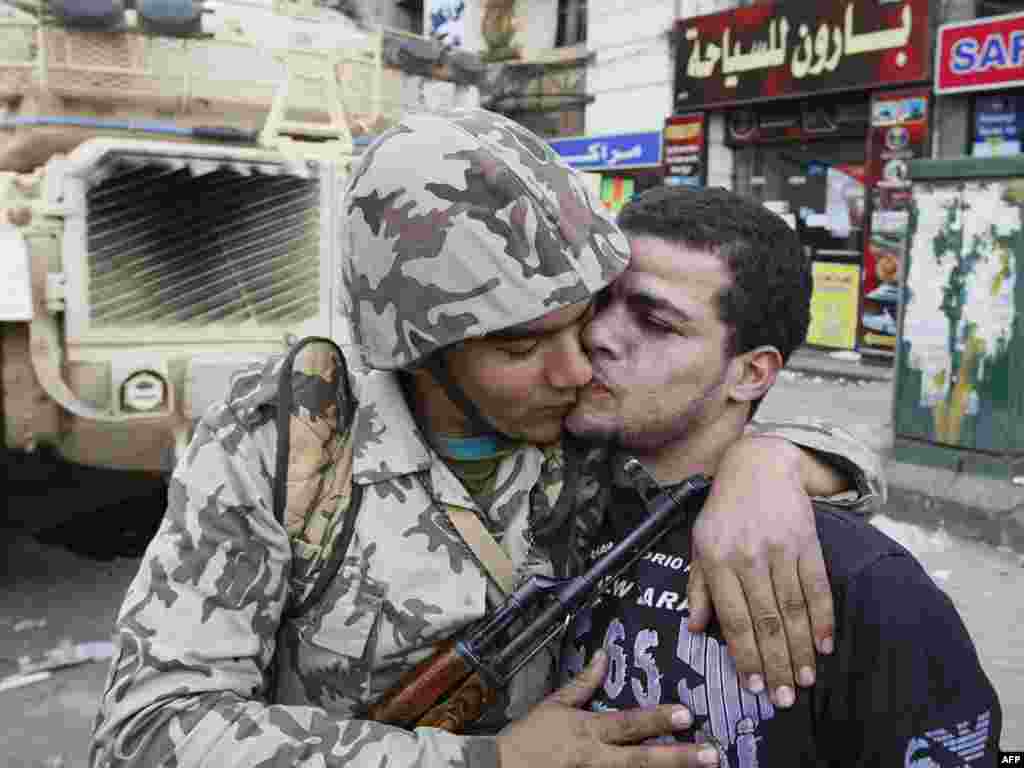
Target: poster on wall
883	260
899	133
683	150
446	21
834	305
789	48
962	314
998	124
616	191
844	199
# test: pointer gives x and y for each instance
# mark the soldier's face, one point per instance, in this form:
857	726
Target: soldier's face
526	379
658	350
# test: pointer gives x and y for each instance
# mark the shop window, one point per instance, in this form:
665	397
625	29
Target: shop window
550	100
572	23
551	125
813	180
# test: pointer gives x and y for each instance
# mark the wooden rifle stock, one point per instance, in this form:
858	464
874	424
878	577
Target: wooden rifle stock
451	688
442	691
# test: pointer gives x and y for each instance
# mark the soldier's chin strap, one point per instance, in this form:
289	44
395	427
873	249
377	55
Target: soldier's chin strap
555	533
478	424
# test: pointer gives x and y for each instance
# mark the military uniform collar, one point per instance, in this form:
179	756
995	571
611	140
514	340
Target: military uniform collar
388	443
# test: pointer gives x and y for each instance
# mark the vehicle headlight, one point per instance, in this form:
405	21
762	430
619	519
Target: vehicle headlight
143	391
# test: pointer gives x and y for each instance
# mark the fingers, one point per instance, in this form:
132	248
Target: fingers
737	626
631	726
557	733
625	727
638	725
580	689
660	756
756	633
699	599
790	598
770	632
818	593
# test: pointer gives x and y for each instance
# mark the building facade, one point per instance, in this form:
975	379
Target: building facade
815	109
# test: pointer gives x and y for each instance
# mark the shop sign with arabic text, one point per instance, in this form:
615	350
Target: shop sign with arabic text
623	150
773	50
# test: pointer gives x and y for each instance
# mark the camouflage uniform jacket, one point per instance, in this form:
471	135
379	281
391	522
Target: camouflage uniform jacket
201	632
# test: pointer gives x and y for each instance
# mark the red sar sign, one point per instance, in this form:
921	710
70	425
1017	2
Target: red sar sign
980	55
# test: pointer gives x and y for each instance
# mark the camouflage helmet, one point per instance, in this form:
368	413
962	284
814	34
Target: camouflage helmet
459	224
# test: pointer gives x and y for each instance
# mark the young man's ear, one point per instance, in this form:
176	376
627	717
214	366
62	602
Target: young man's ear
756	371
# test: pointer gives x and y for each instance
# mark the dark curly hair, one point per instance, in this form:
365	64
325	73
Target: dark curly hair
769	300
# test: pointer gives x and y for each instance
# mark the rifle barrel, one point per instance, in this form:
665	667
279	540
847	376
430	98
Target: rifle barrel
571	596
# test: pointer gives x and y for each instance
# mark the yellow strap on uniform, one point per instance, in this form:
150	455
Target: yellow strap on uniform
490	554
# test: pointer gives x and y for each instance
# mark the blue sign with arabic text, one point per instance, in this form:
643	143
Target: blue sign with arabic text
610	153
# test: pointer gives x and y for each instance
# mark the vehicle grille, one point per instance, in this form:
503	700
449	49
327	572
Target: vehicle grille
188	243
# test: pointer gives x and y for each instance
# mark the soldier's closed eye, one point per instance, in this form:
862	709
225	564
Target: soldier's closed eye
520	349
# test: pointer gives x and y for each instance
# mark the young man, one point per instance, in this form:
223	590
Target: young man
471	257
684	345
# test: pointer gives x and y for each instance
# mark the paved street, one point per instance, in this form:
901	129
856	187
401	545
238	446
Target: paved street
48	595
863	407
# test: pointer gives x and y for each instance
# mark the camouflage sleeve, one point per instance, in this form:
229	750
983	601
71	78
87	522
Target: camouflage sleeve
196	633
836	447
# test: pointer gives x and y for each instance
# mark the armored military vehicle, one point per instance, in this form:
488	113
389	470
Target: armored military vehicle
167	177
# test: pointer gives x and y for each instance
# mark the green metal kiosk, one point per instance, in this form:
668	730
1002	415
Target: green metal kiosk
959	385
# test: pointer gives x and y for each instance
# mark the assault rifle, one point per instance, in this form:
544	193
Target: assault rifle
451	688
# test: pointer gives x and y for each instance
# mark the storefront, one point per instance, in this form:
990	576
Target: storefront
619	165
823	105
985	57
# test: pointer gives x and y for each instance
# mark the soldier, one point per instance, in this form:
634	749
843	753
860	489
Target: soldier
471	255
684	346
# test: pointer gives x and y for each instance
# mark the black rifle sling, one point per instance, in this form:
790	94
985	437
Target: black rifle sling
285	404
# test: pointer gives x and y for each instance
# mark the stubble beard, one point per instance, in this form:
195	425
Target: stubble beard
672	429
649	437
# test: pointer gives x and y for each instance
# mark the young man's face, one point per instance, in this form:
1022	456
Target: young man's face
658	350
526	379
